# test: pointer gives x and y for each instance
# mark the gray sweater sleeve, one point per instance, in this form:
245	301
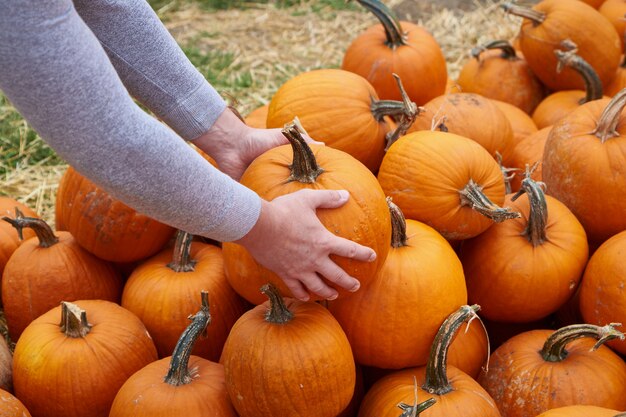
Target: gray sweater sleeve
56	73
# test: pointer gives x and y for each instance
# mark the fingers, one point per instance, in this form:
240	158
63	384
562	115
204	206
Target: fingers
316	285
297	289
324	198
332	272
349	249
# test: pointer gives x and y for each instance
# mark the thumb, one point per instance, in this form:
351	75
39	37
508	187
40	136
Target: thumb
325	198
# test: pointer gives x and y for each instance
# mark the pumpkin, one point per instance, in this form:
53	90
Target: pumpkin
75	368
258	117
48	269
521	123
534	372
560	103
421	266
580	411
496	71
469	350
339	108
9	238
6	366
585	151
447	181
364	219
469	115
104	226
601	297
10	406
594	3
163	292
614	11
619	81
529	151
179	385
397	47
286	357
455	392
524	269
551	21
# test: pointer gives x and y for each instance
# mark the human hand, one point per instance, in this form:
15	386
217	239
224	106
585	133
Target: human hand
301	246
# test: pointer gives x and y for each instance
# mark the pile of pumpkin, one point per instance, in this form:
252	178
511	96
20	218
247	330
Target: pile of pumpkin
499	195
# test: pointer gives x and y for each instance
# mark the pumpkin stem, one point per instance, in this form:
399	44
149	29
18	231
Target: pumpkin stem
42	229
416	409
179	372
304	168
508	52
398	225
436	375
181	260
507	173
393	30
554	348
74	320
535	16
569	58
278	313
472	195
607	123
535	230
405	116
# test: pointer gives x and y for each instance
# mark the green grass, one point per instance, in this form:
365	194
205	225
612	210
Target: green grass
242	4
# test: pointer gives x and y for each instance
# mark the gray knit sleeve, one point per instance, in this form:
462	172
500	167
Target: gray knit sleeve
56	73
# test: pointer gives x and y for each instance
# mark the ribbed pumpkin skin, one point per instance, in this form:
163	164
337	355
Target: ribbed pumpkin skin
575	162
618	83
523	384
258	117
37	279
9	239
556	106
104	226
403	320
59	376
364	218
580	411
470	349
601	290
164	299
10	406
145	394
528	151
302	368
333	106
521	123
424	171
420	64
597	40
614	11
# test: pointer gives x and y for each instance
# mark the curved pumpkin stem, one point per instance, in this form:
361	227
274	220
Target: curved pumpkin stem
554	347
74	321
472	195
607	124
508	52
179	373
535	230
393	30
507	173
417	408
436	375
304	168
404	115
43	231
278	313
569	58
398	225
534	16
181	260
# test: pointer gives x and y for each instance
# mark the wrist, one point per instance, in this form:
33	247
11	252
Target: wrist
225	134
262	228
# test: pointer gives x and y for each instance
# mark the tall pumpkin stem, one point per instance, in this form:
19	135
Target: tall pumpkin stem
304	168
472	195
398	225
393	30
179	372
569	58
74	320
278	313
436	381
535	230
607	123
181	260
42	229
534	16
508	52
554	348
405	117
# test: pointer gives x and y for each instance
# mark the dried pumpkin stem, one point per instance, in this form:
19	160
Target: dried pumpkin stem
507	173
405	118
179	372
181	260
393	30
278	313
473	196
554	348
398	225
42	229
607	124
508	52
535	16
304	168
593	84
535	230
416	409
436	381
74	320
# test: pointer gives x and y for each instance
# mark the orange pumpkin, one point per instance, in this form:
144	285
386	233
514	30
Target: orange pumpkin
75	368
286	358
521	123
163	292
529	151
104	226
534	372
180	385
364	218
619	81
9	238
402	48
258	117
614	11
580	411
10	406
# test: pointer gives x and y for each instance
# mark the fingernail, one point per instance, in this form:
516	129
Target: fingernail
372	257
343	194
356	287
305	298
332	297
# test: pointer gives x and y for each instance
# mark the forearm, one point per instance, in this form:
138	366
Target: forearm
151	64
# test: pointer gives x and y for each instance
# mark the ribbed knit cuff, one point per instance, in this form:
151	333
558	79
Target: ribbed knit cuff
240	216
